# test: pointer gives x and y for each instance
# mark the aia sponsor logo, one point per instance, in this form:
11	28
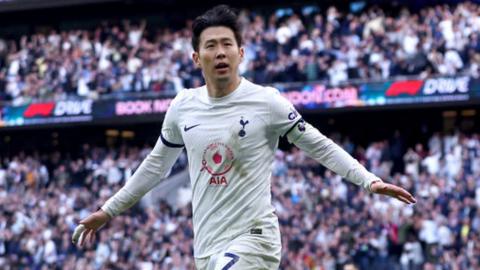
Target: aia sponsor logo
217	160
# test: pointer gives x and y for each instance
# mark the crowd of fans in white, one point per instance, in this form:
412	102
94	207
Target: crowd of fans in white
325	221
285	46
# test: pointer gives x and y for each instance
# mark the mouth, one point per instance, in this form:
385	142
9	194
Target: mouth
222	67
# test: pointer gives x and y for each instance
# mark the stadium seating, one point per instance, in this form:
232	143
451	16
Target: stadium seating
325	222
115	59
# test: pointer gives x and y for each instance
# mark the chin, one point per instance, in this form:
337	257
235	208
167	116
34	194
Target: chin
224	78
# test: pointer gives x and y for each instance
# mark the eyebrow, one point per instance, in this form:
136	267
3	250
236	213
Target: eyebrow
221	40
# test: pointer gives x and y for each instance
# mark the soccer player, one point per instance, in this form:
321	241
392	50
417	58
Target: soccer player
230	128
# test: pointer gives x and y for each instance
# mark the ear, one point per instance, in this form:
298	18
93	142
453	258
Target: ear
242	53
196	59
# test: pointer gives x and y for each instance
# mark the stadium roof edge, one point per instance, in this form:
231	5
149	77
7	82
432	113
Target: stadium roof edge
15	5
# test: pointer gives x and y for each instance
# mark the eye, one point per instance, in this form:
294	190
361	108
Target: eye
209	46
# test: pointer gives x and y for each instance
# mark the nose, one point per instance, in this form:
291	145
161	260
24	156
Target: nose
220	53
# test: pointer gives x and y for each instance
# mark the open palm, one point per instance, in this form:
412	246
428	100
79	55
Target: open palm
397	192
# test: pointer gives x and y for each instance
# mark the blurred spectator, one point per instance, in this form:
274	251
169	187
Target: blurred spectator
326	223
283	46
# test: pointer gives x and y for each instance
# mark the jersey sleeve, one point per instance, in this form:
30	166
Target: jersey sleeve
283	116
170	134
329	154
154	168
149	174
287	122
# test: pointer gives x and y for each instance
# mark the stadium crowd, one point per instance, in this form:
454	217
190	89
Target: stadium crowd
288	45
326	222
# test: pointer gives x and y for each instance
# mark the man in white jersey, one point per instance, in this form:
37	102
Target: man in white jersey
230	128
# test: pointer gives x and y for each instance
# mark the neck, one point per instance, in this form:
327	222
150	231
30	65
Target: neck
220	89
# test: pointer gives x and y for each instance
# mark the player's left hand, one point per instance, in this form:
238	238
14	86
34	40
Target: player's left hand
397	192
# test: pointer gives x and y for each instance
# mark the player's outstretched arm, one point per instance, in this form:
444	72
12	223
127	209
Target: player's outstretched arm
394	191
332	156
149	174
154	168
325	151
85	231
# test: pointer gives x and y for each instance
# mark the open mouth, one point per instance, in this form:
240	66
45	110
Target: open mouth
221	66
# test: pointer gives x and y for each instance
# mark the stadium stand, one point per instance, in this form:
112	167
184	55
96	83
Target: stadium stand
284	46
326	223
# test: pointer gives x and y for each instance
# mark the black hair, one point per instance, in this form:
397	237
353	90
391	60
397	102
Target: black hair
221	15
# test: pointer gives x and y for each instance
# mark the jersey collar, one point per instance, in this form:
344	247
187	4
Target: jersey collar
231	96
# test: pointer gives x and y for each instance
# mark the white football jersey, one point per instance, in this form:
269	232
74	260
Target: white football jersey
230	143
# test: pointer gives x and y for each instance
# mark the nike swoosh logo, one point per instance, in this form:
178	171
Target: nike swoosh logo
185	128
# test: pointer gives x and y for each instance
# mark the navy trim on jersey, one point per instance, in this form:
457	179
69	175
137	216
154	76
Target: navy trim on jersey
294	125
169	144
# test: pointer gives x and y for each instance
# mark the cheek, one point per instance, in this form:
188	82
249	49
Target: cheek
236	57
238	54
206	63
206	58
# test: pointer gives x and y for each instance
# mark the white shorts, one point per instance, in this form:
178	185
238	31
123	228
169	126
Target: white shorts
246	252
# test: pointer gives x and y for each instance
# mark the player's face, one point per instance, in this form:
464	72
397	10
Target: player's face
218	54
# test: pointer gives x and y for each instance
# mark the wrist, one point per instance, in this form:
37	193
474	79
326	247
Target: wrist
104	213
378	180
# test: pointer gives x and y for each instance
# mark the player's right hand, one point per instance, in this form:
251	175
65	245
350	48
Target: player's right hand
85	231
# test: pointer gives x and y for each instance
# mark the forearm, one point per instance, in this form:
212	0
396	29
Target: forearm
330	155
149	174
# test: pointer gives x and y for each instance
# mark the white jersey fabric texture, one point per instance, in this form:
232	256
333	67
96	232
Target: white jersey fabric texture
230	144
